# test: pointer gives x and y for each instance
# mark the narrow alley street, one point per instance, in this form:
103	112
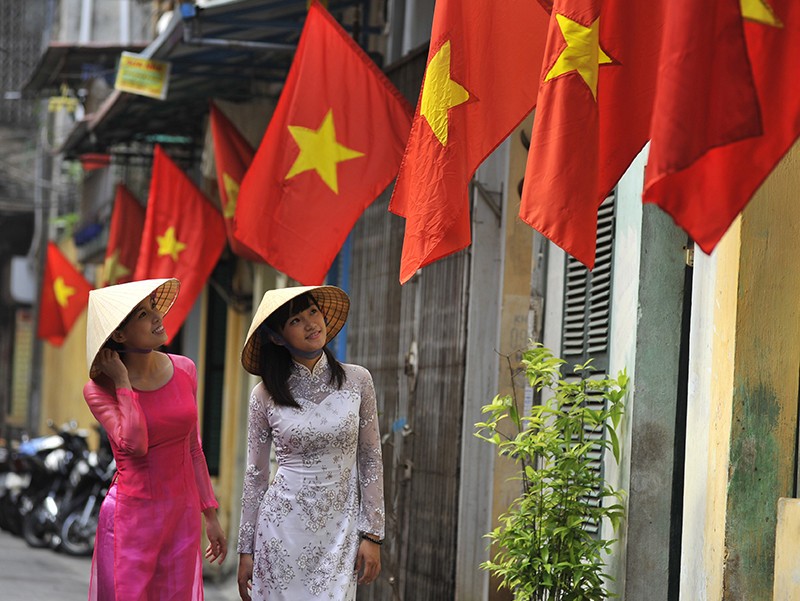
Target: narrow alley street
28	574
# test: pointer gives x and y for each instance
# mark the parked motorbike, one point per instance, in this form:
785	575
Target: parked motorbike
50	470
12	483
89	480
18	482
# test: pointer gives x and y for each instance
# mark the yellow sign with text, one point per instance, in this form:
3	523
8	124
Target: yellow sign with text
143	76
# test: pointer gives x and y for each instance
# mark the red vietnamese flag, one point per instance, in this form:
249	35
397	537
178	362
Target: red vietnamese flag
705	96
332	146
479	84
64	296
184	235
232	155
124	238
705	198
593	114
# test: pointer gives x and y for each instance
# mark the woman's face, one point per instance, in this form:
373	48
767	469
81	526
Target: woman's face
306	330
144	329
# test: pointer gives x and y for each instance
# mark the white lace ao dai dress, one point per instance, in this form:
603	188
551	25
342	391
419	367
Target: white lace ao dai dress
304	528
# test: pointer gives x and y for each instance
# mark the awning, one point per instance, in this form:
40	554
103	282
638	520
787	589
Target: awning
72	64
233	51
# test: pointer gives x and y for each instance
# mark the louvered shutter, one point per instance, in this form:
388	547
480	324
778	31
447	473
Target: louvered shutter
587	312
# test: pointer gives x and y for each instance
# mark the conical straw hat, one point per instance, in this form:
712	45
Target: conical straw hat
109	306
332	301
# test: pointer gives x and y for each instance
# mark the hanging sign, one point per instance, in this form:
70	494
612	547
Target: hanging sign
143	76
66	102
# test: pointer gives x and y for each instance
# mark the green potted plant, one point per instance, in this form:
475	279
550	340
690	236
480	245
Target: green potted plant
544	547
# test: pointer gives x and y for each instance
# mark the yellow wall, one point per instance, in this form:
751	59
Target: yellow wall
514	333
238	384
234	435
753	419
787	551
722	353
765	387
64	373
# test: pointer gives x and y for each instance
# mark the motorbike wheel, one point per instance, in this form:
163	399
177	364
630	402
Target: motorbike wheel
78	538
35	530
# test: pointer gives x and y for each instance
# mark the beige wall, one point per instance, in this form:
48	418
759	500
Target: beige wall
514	323
64	373
787	551
238	383
743	397
704	515
765	386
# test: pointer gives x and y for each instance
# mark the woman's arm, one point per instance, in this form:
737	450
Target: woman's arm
244	576
370	463
217	544
204	488
117	409
370	476
256	476
368	561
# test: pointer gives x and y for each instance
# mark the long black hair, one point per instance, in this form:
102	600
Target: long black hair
275	362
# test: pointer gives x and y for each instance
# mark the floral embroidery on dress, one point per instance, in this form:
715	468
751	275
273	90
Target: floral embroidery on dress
280	505
276	570
319	565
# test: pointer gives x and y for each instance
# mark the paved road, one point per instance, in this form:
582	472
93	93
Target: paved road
42	575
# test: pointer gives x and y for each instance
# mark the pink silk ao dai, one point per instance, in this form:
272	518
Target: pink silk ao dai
148	536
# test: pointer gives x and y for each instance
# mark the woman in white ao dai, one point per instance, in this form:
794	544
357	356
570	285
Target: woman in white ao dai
314	532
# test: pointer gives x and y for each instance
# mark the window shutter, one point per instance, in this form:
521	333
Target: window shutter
587	298
587	313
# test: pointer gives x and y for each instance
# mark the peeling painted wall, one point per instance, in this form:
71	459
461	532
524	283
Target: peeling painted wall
646	340
767	362
743	390
708	419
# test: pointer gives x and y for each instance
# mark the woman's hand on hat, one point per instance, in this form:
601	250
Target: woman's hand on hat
109	363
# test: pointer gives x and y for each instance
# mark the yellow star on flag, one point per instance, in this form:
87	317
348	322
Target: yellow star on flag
62	291
113	269
168	244
582	54
320	151
232	194
440	93
760	11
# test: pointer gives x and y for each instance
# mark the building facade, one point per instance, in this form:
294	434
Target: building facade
709	435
